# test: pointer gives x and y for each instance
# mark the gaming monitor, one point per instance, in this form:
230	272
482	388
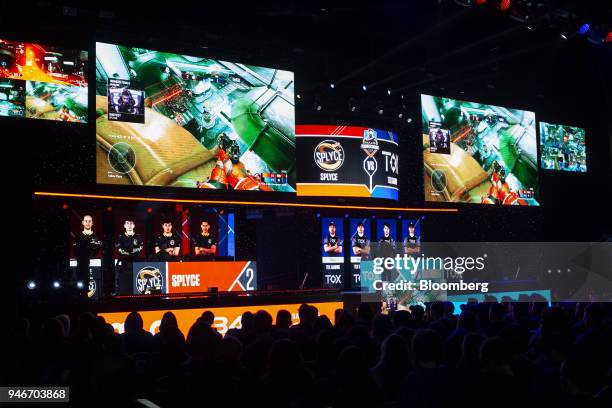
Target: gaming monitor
478	153
171	120
562	148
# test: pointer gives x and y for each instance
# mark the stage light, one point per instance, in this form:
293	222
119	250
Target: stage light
563	36
365	88
504	5
56	284
79	285
109	208
402	96
409	120
530	28
299	96
480	2
609	37
401	115
353	108
31	285
65	206
584	29
380	111
319	107
332	86
388	92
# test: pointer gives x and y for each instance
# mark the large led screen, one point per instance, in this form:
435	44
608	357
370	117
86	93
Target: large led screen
347	161
43	82
478	153
172	120
562	148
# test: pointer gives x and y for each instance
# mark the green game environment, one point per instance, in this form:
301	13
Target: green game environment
562	148
487	143
189	103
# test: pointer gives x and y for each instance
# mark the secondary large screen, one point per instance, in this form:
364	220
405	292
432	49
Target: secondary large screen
43	82
562	148
165	119
347	161
477	153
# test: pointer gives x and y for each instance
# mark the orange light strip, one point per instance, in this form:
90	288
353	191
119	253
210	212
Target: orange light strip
261	203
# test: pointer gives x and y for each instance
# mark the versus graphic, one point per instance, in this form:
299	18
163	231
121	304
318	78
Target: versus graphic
347	161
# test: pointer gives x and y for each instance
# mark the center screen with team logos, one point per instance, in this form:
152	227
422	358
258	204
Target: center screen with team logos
478	153
172	120
347	161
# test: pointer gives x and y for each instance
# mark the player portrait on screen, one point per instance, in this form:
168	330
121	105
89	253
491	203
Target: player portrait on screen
129	246
386	243
412	242
332	244
204	244
168	244
360	242
86	246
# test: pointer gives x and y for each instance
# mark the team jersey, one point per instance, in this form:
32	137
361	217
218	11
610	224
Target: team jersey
412	242
204	241
129	245
360	242
164	242
86	245
331	241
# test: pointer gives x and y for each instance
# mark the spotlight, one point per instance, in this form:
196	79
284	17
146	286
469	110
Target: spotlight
365	88
388	92
79	284
380	111
504	5
584	29
530	28
31	285
319	107
401	115
56	284
563	36
299	96
332	86
353	108
409	120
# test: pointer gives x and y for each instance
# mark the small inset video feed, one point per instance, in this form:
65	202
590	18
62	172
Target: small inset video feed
53	79
53	101
12	97
439	139
125	101
562	148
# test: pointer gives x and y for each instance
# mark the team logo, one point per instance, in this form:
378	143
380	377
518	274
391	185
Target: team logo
329	155
91	290
369	144
149	280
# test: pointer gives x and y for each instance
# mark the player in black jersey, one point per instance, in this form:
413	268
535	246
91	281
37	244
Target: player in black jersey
361	243
86	246
332	244
386	244
129	246
412	242
204	245
168	244
387	249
